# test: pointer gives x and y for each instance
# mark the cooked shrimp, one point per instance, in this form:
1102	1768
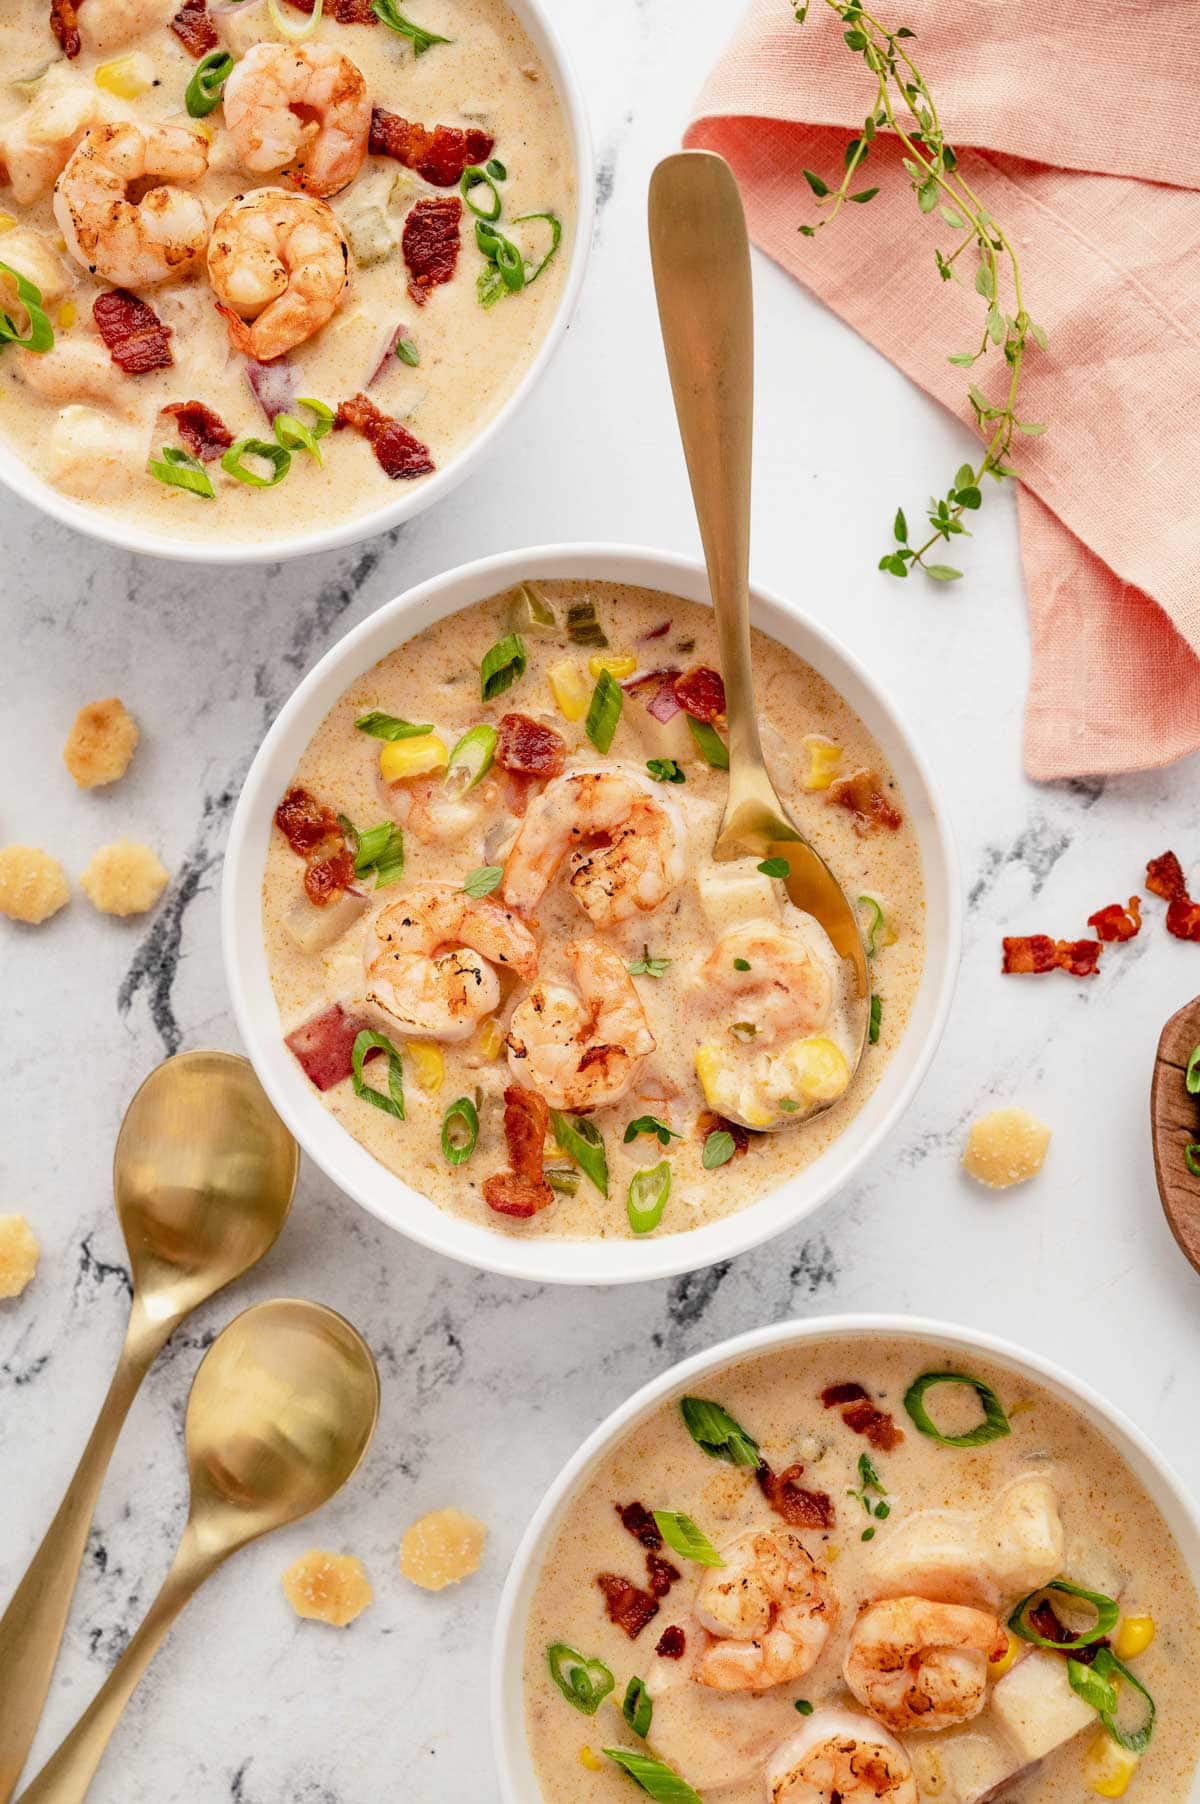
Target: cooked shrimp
785	989
628	845
921	1665
35	147
305	109
581	1049
76	369
278	260
770	1610
134	244
839	1757
430	960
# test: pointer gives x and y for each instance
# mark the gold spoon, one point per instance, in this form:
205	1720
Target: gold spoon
701	259
281	1413
203	1178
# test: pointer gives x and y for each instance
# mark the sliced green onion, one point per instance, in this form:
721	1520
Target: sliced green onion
995	1424
648	1193
604	711
645	966
502	666
40	336
294	435
288	27
460	1130
203	93
503	254
471	759
529	612
389	14
180	470
875	1019
381	849
483	881
323	421
681	1533
563	1179
1191	1157
714	1429
583	625
711	746
878	922
775	867
390	726
666	770
278	456
1092	1687
637	1707
583	1142
1191	1076
1108	1615
719	1149
393	1102
555	224
655	1777
583	1682
350	834
650	1124
474	176
1134	1741
407	352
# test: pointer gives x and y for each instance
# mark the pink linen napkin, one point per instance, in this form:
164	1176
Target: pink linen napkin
1074	125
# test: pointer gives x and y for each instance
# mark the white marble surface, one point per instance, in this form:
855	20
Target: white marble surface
489	1385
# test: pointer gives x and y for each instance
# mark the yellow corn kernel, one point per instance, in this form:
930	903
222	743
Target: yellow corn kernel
618	665
1134	1635
997	1668
403	758
488	1041
1108	1767
823	759
7	222
710	1063
832	1554
589	1758
127	76
429	1064
820	1067
570	692
66	316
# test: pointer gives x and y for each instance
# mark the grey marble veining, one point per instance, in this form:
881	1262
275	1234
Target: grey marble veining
489	1385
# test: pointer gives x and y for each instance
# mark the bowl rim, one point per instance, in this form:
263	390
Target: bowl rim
357	1173
28	486
505	1686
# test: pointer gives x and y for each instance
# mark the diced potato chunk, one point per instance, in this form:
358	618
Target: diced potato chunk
101	743
90	454
124	879
1007	1147
960	1768
327	1587
18	1255
1021	1536
313	928
735	893
33	886
442	1549
1036	1708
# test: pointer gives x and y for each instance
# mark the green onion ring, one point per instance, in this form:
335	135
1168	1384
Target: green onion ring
393	1102
1191	1077
297	33
995	1424
1092	1687
648	1193
878	921
460	1130
584	1683
203	93
277	455
1191	1157
1108	1615
583	1142
180	470
1134	1741
475	176
555	224
637	1707
294	435
40	337
324	415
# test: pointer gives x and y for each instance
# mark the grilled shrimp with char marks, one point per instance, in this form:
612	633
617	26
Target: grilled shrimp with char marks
430	960
581	1048
839	1757
626	845
769	1609
277	262
917	1665
134	243
304	109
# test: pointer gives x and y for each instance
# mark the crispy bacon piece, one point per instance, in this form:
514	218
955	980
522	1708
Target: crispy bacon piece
700	692
1116	923
1029	955
867	1419
672	1643
664	707
1164	876
833	1394
430	243
194	29
628	1607
861	793
1183	918
136	338
64	23
709	1122
661	1573
323	1046
203	432
313	833
398	453
636	1518
788	1498
529	749
342	12
440	155
523	1190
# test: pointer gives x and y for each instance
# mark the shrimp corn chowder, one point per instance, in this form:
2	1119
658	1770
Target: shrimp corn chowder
863	1572
491	877
228	230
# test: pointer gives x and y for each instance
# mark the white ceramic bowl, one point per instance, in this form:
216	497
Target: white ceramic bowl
518	1783
354	1169
405	499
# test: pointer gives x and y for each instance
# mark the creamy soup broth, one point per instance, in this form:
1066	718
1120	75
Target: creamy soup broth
434	678
939	1518
488	78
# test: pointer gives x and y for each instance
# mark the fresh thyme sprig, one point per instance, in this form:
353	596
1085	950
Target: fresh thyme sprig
904	106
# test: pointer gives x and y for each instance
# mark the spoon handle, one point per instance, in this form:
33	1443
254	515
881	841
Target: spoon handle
31	1629
701	259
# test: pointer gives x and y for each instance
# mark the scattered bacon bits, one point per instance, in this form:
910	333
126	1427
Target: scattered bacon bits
788	1498
862	1415
662	1575
528	748
700	692
398	453
194	29
1032	954
313	833
430	242
629	1608
834	1394
323	1046
709	1122
1116	923
64	23
439	156
523	1190
203	432
1164	876
636	1518
136	338
342	12
672	1643
861	793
